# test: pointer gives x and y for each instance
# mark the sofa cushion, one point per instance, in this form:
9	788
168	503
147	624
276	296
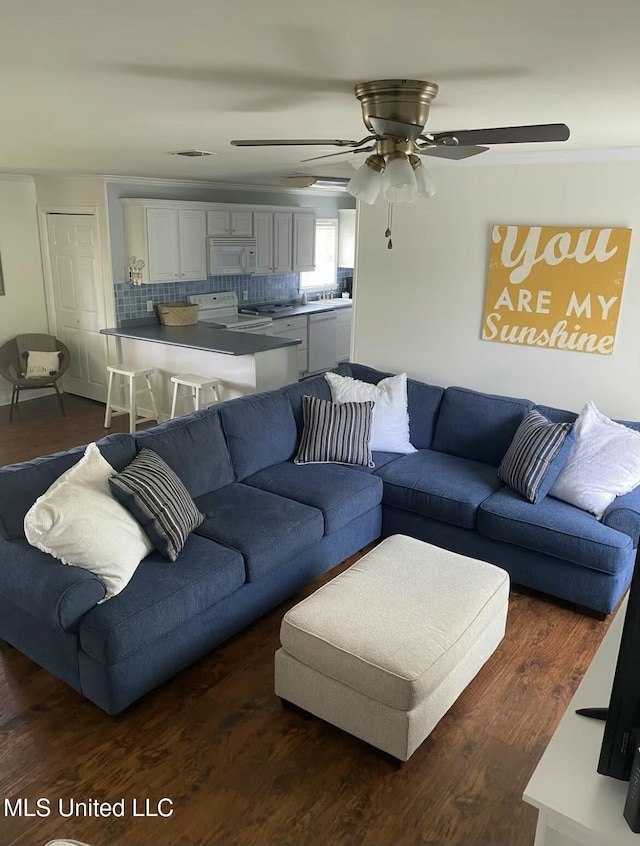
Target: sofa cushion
160	597
194	448
21	484
390	426
150	490
379	460
604	462
536	455
267	529
338	492
478	426
335	432
79	522
438	485
260	431
315	387
554	528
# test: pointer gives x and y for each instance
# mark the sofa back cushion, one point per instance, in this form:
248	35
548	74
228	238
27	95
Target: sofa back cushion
194	448
315	387
260	430
476	425
21	484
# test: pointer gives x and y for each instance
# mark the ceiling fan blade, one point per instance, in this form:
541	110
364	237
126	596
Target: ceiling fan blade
447	151
341	153
292	142
507	134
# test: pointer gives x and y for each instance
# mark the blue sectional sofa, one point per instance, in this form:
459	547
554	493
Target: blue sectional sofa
272	526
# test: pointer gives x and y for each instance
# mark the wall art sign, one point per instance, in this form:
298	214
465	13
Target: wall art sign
1	279
555	287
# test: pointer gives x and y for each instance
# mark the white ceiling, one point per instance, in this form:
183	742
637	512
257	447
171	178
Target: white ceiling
113	86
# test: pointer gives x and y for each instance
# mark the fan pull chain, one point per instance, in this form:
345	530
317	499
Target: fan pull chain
387	233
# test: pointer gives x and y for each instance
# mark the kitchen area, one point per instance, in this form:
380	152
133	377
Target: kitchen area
265	314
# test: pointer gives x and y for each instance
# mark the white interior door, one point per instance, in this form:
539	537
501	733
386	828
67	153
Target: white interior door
74	252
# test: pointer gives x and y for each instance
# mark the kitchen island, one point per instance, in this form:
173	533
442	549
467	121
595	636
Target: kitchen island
244	362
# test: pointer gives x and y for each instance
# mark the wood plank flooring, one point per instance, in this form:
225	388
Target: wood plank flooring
241	770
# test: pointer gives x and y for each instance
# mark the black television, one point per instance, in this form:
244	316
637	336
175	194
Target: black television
622	727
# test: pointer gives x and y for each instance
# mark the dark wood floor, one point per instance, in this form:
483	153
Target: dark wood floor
240	770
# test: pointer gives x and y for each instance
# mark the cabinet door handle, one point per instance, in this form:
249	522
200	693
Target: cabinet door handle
176	275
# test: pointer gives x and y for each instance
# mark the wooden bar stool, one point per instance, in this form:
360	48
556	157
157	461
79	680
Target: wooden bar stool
127	390
196	384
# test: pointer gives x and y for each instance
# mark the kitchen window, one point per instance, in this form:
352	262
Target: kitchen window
324	276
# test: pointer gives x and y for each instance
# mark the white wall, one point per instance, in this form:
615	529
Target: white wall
419	306
22	309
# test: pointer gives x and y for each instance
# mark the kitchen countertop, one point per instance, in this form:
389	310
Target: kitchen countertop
203	336
297	309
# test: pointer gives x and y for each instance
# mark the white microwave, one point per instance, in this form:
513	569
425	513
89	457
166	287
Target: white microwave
228	256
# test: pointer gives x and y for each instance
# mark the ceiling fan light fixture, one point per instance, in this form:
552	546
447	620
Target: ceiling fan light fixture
399	183
425	186
366	182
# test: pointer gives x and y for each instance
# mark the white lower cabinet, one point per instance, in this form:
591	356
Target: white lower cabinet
344	321
295	327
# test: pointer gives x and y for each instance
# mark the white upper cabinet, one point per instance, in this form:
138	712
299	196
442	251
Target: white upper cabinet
282	232
346	237
163	245
225	223
192	227
273	232
304	242
170	236
263	228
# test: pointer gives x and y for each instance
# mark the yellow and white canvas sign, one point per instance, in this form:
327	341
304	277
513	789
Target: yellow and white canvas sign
558	288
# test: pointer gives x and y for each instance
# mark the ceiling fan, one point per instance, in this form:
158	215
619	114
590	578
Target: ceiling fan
395	112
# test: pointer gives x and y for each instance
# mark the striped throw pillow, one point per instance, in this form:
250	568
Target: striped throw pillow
538	452
335	432
150	490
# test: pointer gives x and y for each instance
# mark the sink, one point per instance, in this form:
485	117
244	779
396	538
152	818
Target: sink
279	309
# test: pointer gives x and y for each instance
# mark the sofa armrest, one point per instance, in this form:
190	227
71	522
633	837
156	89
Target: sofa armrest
624	515
54	593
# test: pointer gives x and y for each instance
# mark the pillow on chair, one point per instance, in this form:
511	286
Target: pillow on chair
41	363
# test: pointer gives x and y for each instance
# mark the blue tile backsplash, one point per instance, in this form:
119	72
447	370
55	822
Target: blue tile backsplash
131	300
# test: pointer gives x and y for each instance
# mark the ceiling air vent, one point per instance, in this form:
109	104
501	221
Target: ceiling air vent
192	154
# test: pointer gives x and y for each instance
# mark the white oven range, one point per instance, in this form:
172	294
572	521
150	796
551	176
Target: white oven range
221	309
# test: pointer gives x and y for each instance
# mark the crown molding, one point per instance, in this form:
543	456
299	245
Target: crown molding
16	177
220	186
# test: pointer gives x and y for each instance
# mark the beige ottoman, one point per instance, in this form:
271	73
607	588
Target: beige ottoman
384	649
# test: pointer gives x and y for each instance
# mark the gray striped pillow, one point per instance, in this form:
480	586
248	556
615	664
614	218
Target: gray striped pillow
335	432
538	452
150	490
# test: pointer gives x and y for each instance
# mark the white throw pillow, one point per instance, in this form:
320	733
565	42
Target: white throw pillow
79	522
390	429
604	462
41	363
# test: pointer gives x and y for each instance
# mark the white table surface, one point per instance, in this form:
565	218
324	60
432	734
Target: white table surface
574	800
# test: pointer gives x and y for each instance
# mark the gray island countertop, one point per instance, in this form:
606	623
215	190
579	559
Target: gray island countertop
203	336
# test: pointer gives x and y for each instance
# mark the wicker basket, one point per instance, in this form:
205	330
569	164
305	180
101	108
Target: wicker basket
178	314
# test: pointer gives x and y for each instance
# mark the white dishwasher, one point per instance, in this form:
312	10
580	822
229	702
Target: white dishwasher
322	341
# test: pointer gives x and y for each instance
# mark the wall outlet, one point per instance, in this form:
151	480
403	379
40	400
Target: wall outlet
245	296
150	306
